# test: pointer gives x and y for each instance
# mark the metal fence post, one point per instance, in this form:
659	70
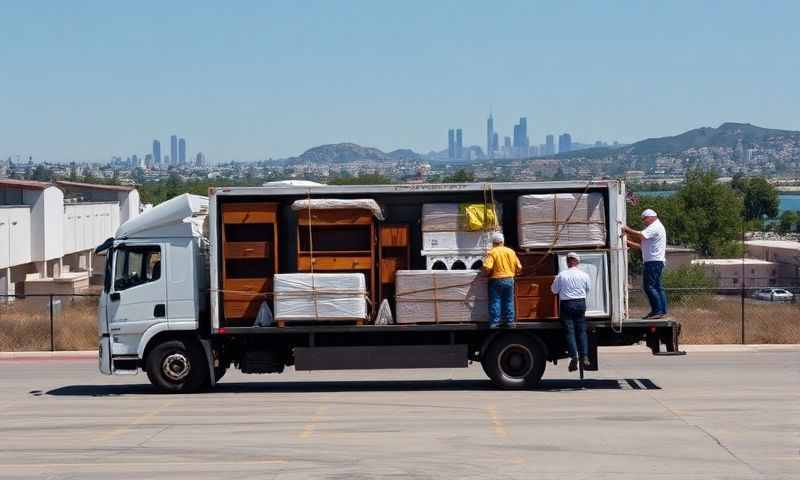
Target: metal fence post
52	336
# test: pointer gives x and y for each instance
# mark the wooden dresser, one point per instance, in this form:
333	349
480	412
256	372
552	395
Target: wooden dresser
249	253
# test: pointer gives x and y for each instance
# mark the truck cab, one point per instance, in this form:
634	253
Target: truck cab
156	285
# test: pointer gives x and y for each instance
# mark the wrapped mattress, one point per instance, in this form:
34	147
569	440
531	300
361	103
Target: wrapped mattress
562	220
462	242
441	296
320	296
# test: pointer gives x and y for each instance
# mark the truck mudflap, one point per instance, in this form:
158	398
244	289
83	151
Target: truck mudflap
210	360
668	336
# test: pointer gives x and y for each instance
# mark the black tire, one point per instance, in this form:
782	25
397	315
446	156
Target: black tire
177	366
515	361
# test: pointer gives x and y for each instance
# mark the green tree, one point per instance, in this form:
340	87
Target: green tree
788	221
760	198
371	179
711	213
42	174
461	176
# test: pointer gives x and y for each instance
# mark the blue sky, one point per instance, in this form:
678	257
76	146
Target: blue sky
87	80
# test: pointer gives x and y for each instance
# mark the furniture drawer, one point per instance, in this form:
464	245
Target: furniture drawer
334	263
241	308
247	287
537	308
394	236
534	286
247	250
249	213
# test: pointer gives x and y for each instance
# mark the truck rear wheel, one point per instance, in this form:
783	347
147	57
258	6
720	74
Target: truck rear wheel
177	366
514	361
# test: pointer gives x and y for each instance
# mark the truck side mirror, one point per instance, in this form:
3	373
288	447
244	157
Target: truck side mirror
114	296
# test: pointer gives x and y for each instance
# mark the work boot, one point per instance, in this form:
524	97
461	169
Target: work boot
586	362
573	365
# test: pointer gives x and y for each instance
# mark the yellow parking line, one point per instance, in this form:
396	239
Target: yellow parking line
137	421
497	422
308	430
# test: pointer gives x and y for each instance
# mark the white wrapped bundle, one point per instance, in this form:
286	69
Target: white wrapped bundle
547	220
320	296
438	296
461	242
448	217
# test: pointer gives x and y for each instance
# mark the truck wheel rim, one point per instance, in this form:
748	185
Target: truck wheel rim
176	367
515	361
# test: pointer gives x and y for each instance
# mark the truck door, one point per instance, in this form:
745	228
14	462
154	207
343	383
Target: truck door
138	295
619	253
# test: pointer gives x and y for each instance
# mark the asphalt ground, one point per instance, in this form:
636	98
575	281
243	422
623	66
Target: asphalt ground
731	415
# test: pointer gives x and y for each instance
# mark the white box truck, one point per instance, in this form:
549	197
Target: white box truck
165	308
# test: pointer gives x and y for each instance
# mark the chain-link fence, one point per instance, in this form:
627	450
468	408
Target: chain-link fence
48	322
707	316
728	315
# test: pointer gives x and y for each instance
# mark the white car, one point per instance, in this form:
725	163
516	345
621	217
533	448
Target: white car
774	295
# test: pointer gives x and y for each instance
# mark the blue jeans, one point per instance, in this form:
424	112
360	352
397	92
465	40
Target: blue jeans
501	301
651	284
573	317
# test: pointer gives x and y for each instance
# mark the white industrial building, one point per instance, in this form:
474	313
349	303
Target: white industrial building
48	232
785	253
739	272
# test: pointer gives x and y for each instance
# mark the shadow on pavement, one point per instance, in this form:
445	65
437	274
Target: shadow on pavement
551	385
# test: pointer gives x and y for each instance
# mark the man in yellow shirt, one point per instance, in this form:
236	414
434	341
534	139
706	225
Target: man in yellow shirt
502	265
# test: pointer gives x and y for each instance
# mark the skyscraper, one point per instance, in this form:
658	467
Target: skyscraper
451	144
564	143
521	141
182	151
173	149
490	137
200	160
157	152
550	146
459	144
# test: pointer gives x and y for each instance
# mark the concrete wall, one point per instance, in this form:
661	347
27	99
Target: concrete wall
730	275
87	225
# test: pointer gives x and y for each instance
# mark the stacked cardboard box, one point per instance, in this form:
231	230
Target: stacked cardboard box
562	220
438	296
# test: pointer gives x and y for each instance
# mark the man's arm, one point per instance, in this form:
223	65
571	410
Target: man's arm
635	235
555	287
633	244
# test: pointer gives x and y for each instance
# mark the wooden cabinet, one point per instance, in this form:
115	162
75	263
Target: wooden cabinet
395	254
337	241
249	253
533	298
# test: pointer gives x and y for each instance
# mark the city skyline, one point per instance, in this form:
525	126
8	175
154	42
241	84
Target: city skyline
272	80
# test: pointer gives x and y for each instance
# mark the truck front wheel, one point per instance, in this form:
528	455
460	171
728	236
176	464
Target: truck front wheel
177	366
514	361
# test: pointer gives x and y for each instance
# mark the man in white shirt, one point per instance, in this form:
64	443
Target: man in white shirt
653	243
572	286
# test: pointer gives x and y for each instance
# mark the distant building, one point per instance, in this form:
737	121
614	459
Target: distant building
521	142
739	272
173	149
507	152
550	147
564	143
490	136
200	160
785	254
157	152
495	144
52	231
182	151
451	144
459	144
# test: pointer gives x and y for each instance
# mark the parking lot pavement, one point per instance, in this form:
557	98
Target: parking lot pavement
705	415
